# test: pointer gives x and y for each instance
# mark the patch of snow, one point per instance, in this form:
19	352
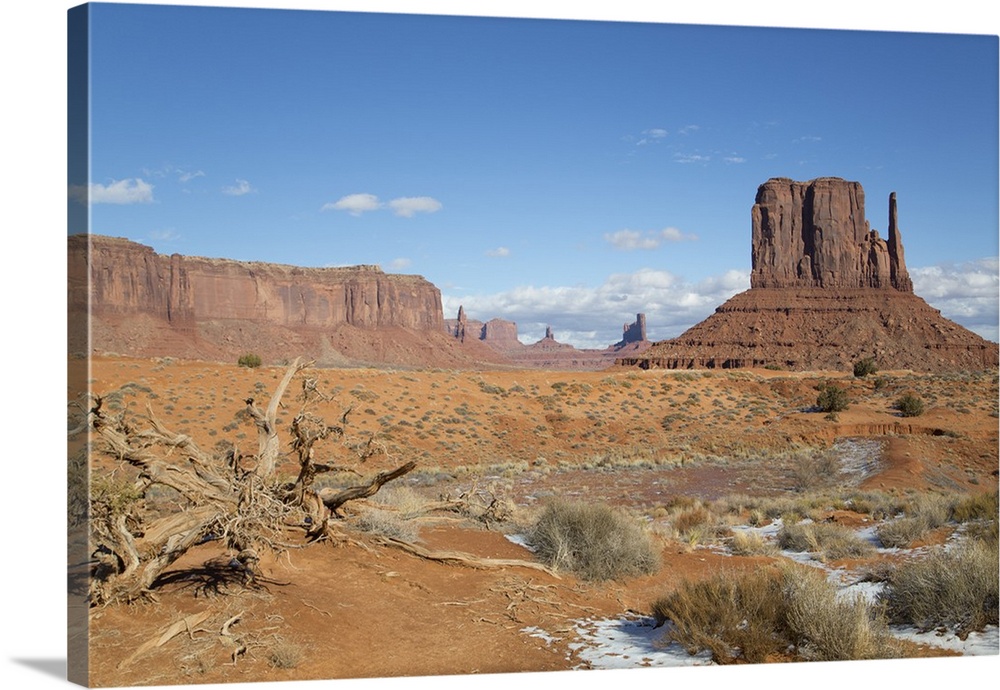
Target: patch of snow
859	457
976	644
868	591
521	540
630	642
534	631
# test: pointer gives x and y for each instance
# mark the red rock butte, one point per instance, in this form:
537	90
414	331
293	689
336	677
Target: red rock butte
826	290
140	303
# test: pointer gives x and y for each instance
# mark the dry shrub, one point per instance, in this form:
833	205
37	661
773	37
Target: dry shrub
592	540
878	504
285	654
826	540
762	615
401	499
387	524
815	471
983	506
690	519
734	615
746	543
827	627
902	532
953	588
924	513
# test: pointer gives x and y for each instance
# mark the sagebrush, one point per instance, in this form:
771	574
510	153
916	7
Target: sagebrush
754	616
592	540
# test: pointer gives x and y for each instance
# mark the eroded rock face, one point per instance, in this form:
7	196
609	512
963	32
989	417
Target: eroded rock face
500	334
143	303
633	332
826	290
815	234
808	329
129	278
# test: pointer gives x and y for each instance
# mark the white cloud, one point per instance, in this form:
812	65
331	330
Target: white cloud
690	158
164	235
592	317
408	206
967	293
499	252
735	159
239	189
355	204
399	264
651	136
128	191
185	176
630	240
688	129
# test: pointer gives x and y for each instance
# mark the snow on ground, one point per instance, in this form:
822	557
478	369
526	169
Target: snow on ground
630	642
521	540
976	644
633	642
859	457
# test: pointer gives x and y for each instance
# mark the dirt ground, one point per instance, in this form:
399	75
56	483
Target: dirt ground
642	440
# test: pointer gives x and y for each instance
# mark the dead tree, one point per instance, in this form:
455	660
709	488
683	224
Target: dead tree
227	497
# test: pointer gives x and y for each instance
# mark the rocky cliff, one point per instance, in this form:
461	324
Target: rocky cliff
144	303
815	234
826	290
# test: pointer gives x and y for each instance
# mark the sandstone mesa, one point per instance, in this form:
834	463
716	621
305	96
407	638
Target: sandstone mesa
826	290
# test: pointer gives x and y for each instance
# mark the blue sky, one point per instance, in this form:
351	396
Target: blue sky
563	173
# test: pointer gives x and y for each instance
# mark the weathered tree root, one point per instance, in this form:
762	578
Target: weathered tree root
466	559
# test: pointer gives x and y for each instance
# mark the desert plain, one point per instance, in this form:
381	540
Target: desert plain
431	575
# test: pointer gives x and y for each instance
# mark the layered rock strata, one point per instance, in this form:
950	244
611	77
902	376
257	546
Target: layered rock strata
815	234
826	290
144	303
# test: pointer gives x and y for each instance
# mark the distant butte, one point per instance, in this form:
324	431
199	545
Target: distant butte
548	353
826	290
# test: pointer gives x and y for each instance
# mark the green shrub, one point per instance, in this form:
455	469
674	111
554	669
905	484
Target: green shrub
832	398
955	589
249	360
592	540
865	367
909	405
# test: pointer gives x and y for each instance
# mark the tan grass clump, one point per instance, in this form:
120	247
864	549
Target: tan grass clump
592	540
953	588
285	654
828	541
745	543
764	615
828	627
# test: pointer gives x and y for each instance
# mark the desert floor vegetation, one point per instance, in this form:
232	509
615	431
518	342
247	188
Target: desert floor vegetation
954	589
632	487
778	614
593	541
